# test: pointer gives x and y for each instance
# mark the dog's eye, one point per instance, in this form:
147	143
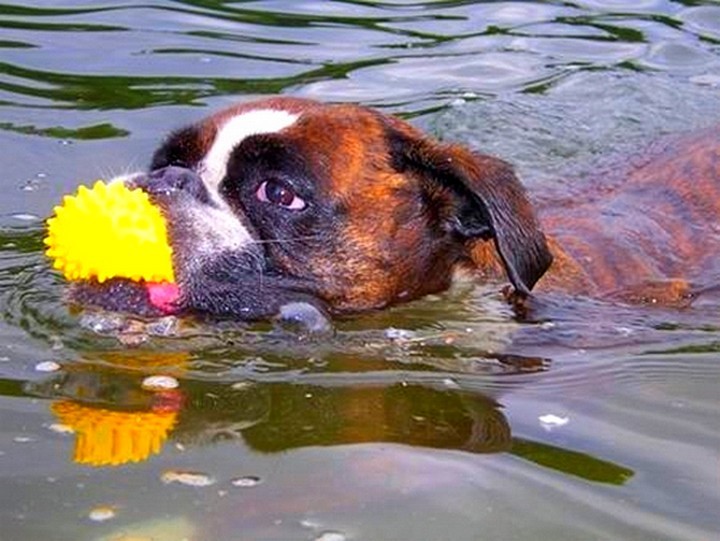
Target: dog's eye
280	194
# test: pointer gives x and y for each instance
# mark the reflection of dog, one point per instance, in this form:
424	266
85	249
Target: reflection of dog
116	421
287	200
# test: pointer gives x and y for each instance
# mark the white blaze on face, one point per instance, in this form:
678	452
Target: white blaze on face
217	228
211	229
232	133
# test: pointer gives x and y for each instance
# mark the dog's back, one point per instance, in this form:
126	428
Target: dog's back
647	230
643	230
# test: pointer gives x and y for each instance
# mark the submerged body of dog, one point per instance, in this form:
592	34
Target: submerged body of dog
286	200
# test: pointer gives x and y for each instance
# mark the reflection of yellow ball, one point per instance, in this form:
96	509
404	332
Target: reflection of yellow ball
111	438
109	231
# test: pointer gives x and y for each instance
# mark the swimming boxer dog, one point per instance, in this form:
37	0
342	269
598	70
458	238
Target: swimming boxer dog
285	200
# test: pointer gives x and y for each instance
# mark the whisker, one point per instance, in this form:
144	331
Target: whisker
286	240
110	173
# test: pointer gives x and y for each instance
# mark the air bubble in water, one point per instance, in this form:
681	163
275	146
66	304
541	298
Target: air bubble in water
247	481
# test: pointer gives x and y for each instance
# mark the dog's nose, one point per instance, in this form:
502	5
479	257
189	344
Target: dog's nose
174	180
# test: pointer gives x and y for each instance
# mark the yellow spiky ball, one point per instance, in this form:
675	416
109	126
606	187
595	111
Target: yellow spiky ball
109	231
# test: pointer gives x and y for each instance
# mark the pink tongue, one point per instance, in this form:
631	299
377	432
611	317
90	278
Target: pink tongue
163	295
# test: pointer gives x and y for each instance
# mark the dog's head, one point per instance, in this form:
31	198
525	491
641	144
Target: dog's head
287	200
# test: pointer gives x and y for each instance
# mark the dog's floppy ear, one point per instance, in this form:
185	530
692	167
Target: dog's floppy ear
477	198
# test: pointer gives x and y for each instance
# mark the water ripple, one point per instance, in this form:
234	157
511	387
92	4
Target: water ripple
350	50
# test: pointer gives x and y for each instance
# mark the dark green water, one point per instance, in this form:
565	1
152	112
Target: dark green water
424	422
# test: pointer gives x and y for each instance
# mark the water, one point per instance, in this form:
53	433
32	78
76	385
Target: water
441	419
